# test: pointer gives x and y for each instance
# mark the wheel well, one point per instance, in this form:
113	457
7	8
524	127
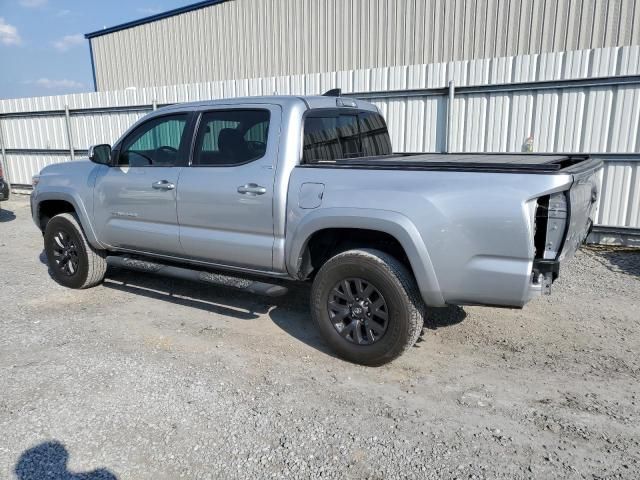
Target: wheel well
50	208
326	243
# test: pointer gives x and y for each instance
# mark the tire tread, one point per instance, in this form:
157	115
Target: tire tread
409	291
96	259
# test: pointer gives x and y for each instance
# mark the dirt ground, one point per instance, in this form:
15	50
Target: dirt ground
150	378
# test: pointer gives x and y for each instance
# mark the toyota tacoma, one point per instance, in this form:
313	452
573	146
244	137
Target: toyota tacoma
254	192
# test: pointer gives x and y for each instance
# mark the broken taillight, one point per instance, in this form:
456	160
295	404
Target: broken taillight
551	225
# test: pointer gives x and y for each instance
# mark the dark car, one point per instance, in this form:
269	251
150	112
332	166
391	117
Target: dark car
4	186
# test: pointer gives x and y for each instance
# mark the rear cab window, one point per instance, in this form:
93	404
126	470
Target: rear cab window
336	134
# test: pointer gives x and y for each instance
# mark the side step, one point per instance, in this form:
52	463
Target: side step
253	286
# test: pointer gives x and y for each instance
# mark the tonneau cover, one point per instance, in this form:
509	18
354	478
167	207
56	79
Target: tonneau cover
493	162
511	158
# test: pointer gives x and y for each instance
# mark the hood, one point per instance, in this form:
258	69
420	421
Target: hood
68	174
66	166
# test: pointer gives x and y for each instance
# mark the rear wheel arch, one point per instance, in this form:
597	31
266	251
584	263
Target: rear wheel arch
325	243
384	225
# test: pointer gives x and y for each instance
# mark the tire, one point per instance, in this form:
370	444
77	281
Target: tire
364	269
88	265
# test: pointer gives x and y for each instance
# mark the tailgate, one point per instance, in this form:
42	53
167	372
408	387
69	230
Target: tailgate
583	197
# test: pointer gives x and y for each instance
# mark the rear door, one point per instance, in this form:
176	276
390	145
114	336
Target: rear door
225	196
135	200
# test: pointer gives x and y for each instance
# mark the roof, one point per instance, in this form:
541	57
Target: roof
153	18
310	101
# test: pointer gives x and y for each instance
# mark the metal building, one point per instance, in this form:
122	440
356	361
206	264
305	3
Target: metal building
558	72
232	39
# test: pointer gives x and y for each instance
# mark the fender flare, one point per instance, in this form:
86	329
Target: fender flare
68	195
392	223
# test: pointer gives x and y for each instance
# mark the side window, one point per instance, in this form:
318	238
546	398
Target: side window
258	133
155	143
335	135
231	137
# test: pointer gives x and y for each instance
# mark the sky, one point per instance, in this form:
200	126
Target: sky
42	46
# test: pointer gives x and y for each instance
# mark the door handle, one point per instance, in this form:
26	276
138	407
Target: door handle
252	189
163	185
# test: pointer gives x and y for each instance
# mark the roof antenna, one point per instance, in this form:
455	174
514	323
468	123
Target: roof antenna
334	92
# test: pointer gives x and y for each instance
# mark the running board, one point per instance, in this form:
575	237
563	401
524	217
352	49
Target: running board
252	286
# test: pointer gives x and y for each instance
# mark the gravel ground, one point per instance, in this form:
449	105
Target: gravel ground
149	378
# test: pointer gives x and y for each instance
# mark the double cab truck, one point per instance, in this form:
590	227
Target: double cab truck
254	192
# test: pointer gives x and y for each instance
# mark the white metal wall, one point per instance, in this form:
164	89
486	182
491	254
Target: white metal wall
603	119
260	38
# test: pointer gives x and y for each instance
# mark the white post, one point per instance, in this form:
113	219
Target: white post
69	136
5	164
448	128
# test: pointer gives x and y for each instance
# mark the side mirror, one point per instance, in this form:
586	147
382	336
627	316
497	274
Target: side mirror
100	154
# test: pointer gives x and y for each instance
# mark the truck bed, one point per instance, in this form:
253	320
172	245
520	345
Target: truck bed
476	162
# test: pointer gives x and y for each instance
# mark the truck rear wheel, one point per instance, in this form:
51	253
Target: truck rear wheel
367	306
73	262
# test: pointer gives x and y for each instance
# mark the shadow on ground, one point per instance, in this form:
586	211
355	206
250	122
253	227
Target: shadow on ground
444	317
48	461
210	298
6	215
290	312
617	259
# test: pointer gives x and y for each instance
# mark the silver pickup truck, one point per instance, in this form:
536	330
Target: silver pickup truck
252	192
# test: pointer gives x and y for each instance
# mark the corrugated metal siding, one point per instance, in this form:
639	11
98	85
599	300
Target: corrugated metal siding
97	128
21	167
576	120
588	120
35	132
261	38
620	195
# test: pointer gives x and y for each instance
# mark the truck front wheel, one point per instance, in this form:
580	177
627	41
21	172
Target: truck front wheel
367	306
73	262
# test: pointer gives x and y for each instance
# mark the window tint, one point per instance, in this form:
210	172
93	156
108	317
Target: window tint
321	140
349	134
155	143
334	135
374	134
258	133
231	137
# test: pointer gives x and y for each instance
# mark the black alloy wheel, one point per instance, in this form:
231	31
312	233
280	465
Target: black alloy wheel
367	306
358	311
65	253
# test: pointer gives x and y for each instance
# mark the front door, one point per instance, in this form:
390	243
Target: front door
135	200
225	197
